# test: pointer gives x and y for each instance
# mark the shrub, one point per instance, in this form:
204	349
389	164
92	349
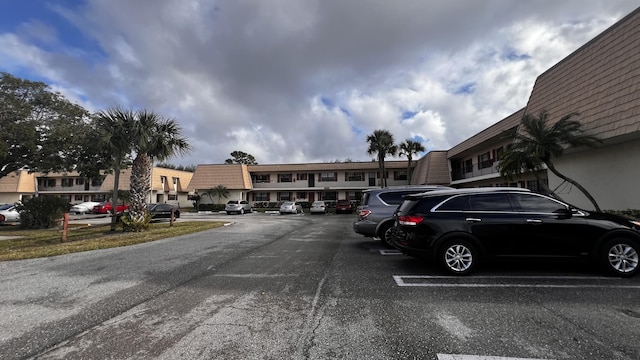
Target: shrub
131	224
42	212
629	213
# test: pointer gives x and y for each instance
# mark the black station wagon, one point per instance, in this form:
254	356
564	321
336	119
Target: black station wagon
459	228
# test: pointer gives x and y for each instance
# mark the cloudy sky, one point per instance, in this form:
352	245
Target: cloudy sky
292	81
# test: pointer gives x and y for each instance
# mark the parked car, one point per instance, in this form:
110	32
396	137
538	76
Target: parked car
9	214
163	211
460	228
318	207
375	213
83	207
290	207
344	206
107	208
237	206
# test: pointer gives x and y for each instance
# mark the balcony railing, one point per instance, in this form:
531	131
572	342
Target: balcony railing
468	173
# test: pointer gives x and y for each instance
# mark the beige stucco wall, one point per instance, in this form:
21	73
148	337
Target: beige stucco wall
610	173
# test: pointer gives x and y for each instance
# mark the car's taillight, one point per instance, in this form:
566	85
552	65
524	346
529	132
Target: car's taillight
410	220
364	213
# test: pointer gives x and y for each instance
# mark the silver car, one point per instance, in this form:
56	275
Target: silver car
318	207
237	207
290	207
9	214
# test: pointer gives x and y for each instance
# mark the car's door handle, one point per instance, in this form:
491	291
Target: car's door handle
474	219
534	221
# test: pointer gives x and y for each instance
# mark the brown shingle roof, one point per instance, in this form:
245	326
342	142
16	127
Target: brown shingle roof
600	80
232	176
338	166
432	169
18	182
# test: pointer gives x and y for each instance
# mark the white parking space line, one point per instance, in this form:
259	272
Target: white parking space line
478	357
387	252
512	281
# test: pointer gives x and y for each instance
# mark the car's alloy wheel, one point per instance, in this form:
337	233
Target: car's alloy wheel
621	257
242	211
385	235
458	257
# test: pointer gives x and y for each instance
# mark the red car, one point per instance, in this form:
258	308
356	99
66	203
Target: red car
344	206
107	208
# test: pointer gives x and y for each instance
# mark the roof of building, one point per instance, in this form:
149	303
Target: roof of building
332	166
20	181
231	176
491	133
432	169
600	80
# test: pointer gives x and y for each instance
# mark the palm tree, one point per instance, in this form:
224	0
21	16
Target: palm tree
153	138
116	126
381	143
219	191
537	143
409	148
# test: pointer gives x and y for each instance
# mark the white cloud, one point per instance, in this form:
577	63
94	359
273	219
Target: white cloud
307	80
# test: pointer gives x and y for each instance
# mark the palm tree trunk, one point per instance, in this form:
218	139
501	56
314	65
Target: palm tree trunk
140	187
551	167
544	186
381	168
114	195
409	170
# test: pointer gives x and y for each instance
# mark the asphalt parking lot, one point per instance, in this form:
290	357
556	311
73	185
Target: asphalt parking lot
305	287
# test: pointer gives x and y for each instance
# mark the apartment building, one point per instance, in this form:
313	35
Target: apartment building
167	185
296	182
600	81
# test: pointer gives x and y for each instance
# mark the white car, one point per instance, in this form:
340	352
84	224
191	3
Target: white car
318	207
84	207
290	207
9	214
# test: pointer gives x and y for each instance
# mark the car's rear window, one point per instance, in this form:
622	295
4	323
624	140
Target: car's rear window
232	202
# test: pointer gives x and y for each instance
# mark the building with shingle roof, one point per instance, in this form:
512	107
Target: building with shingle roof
600	81
17	186
299	182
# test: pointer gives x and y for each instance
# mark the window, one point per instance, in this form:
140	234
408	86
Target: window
329	196
67	182
484	161
354	176
172	197
301	195
51	183
163	180
261	178
490	202
354	195
400	175
79	181
301	176
284	196
285	178
261	196
458	203
468	166
327	176
175	180
537	204
395	197
78	198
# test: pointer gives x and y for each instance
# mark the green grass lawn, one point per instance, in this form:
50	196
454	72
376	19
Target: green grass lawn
29	244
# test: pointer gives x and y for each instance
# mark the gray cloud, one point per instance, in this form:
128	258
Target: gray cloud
296	81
